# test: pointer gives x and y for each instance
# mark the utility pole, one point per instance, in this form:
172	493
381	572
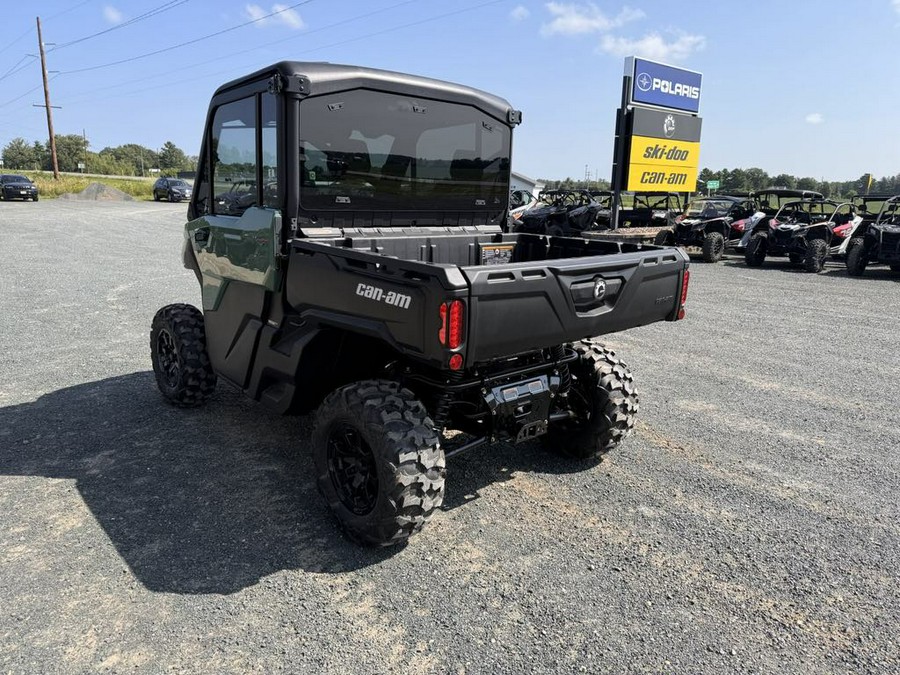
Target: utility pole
47	103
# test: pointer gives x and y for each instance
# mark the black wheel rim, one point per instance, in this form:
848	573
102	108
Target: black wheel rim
167	357
351	466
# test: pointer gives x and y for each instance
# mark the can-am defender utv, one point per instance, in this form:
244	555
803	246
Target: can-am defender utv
369	277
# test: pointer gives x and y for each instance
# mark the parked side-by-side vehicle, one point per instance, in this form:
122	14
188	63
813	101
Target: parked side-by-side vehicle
875	240
367	273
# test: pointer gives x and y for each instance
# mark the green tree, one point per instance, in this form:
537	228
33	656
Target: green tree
18	154
171	158
137	159
70	149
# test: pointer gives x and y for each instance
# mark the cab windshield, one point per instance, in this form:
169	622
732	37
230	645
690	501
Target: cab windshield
367	150
708	208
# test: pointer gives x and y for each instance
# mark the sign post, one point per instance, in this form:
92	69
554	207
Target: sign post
657	130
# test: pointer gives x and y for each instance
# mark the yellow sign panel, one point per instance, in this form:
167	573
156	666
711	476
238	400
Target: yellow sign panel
663	152
662	164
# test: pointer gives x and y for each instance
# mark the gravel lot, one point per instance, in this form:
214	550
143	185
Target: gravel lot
750	525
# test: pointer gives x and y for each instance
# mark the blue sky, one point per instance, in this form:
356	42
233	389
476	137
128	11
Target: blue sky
796	86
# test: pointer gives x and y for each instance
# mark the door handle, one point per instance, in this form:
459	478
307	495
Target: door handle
201	235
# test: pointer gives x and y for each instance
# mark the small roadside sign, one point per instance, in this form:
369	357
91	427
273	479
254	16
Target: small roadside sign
712	184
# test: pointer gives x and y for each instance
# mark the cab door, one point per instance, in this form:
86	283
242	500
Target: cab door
235	237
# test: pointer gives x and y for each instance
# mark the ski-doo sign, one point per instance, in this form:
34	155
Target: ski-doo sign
657	84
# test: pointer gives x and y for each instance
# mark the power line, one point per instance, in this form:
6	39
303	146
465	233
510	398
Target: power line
437	17
13	71
189	42
66	11
18	39
172	4
197	64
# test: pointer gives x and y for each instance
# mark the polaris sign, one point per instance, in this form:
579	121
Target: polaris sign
657	84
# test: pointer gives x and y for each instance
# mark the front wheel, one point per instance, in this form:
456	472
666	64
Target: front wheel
756	250
378	461
603	401
856	257
713	247
183	372
816	252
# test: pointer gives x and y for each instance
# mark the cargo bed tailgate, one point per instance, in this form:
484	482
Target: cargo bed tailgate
522	306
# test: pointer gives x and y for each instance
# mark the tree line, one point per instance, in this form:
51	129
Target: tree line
71	149
747	180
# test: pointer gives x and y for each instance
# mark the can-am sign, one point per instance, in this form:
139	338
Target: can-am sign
657	84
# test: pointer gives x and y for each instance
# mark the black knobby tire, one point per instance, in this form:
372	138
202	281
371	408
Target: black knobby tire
664	238
178	352
795	258
816	252
378	461
713	247
604	399
856	257
755	254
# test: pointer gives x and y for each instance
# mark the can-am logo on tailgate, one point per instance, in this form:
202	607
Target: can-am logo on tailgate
387	297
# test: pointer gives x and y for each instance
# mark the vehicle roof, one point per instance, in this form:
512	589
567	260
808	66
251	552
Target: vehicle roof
733	198
785	192
322	78
876	196
813	200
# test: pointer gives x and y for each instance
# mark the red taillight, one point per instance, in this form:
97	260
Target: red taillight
452	333
456	362
685	280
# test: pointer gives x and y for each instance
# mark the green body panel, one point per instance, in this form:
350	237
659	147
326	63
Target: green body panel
236	248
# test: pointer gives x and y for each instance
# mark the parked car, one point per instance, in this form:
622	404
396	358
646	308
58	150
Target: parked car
14	186
711	223
805	230
171	189
876	241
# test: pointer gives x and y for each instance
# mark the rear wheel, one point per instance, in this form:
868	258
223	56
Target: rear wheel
795	258
756	250
183	372
664	238
816	252
378	461
856	257
604	401
713	247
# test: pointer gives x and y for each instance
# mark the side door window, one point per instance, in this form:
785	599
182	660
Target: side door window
234	162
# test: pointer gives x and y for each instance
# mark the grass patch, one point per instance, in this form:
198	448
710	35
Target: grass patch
139	188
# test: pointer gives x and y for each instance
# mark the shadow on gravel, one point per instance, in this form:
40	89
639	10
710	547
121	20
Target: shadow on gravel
488	465
195	501
832	269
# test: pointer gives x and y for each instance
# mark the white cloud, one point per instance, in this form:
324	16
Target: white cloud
521	13
112	14
571	19
815	118
288	17
653	46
